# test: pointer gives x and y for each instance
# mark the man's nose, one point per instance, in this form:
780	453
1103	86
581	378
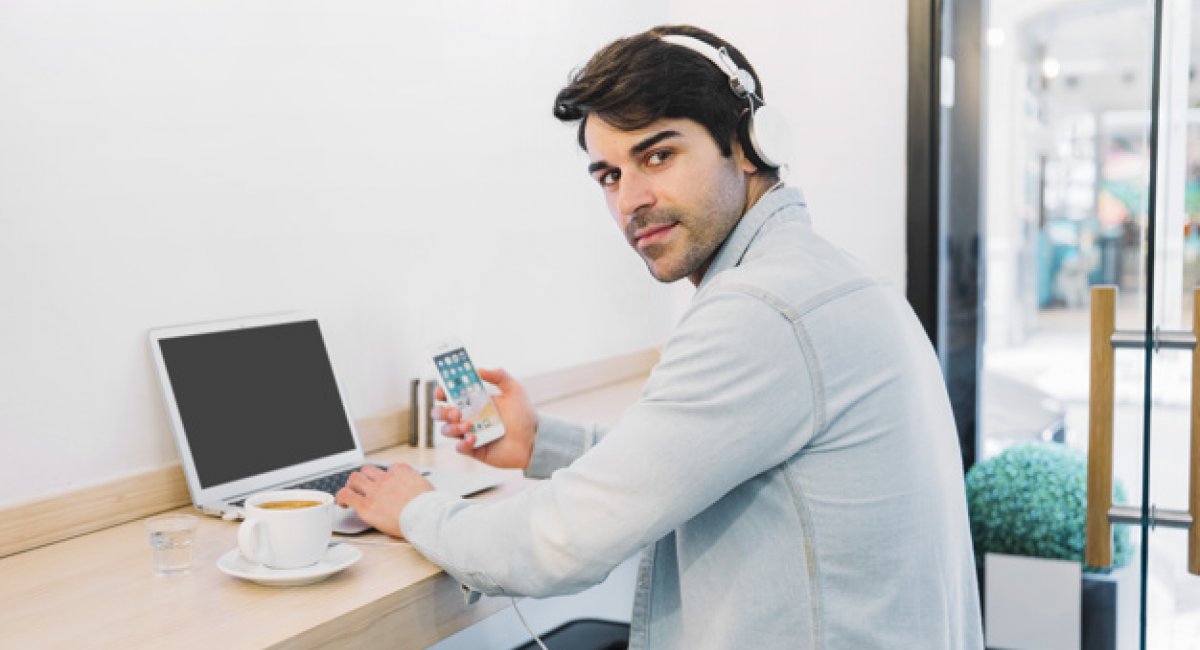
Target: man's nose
635	193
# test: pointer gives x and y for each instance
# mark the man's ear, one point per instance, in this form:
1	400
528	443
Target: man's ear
743	163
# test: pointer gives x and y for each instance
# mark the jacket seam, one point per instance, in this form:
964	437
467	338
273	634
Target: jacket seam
804	342
810	557
646	590
795	314
828	296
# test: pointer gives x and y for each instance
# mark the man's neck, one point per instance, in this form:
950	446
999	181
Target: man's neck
756	188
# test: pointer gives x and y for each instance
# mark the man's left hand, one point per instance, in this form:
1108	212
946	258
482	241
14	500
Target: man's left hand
379	497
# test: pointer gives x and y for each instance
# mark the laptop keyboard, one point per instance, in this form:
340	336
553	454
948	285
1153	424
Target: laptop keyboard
331	483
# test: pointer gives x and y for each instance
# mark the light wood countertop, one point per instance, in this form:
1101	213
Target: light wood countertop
99	590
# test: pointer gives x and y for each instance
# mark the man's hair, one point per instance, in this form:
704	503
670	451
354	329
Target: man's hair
634	81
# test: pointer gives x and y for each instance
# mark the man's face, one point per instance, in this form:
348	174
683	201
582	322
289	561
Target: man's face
672	193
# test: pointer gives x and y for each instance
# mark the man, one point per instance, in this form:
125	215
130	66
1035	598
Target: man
791	472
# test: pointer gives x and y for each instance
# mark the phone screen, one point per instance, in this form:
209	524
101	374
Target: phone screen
465	390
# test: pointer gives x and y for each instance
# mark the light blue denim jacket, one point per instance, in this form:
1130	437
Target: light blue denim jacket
791	471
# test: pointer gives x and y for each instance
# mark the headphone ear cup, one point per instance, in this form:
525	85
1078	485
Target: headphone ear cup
767	135
747	138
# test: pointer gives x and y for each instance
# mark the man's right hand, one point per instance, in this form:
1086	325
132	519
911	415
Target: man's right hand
515	447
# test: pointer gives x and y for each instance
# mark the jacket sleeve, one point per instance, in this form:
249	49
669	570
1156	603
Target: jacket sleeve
558	444
733	396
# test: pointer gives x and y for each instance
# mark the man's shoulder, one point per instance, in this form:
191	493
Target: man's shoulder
795	268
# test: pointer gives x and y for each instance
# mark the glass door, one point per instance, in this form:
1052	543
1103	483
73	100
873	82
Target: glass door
1083	167
1170	584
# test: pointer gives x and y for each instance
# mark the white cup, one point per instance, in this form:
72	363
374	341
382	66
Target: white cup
286	538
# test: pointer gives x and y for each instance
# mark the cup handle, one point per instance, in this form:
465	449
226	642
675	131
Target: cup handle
253	542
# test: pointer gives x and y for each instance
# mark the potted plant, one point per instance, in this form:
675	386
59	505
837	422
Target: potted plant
1031	501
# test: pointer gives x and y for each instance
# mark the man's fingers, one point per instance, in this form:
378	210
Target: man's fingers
348	498
456	430
466	446
406	471
372	471
468	449
357	482
497	376
448	414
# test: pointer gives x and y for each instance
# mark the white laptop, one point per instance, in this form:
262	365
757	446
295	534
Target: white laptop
255	405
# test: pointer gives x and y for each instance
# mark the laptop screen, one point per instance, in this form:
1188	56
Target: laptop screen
256	399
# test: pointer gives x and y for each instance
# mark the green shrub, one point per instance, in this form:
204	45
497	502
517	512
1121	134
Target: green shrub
1031	500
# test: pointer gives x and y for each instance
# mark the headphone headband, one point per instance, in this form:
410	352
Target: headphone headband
763	132
740	81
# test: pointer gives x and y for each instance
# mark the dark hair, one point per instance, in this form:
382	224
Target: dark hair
634	81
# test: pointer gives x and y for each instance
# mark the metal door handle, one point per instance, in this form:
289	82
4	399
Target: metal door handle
1194	454
1100	511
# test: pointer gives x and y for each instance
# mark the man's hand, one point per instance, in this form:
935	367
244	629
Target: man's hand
379	497
520	424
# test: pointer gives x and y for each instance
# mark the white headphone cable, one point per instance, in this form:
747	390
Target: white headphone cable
535	637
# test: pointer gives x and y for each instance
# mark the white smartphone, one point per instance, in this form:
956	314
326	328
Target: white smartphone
464	389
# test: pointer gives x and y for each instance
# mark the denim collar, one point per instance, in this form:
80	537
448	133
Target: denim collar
786	201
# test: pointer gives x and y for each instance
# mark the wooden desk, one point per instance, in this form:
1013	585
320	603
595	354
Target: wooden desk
100	591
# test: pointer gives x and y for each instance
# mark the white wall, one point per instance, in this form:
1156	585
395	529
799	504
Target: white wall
392	166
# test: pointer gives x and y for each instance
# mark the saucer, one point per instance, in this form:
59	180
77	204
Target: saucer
338	557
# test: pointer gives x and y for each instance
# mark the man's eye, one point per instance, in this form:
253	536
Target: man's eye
609	178
658	157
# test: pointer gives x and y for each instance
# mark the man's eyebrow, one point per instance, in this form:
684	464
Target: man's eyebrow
597	166
653	140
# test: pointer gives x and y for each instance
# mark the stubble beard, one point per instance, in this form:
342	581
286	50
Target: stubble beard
682	238
696	238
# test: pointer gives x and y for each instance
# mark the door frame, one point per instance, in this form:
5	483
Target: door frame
944	236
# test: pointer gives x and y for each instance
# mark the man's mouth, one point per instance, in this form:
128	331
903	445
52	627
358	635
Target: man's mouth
653	234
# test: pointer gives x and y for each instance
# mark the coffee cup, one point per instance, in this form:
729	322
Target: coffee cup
286	529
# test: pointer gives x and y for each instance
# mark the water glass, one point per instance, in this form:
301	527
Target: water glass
171	542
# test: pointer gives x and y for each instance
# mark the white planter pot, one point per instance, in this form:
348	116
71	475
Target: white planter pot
1031	603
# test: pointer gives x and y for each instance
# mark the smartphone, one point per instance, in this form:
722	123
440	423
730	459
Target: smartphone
464	389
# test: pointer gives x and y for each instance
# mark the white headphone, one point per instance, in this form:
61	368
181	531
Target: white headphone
764	133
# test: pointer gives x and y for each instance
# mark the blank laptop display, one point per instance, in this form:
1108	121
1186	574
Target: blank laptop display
255	405
256	399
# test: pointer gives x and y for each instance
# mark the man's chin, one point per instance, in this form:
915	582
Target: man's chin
665	273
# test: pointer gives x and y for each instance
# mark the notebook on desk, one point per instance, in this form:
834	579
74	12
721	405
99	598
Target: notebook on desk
255	405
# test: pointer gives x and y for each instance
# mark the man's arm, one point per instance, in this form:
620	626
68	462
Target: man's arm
379	497
733	396
558	444
533	442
